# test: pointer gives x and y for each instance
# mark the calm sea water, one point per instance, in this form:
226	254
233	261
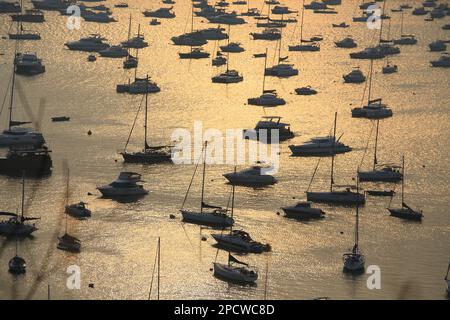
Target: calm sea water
119	241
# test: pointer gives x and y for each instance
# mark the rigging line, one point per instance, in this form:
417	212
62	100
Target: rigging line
6	94
365	88
134	123
192	178
367	145
314	173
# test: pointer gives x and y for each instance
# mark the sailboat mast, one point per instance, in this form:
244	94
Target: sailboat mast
159	262
381	22
203	178
12	93
232	202
301	22
403	179
357	226
401	24
228	53
376	145
332	158
145	117
264	74
23	194
279	43
370	81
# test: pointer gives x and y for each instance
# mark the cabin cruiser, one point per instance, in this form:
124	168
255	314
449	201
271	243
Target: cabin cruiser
18	136
229	76
69	243
320	146
101	17
10	7
354	261
114	52
28	64
17	265
316	5
305	46
254	176
93	42
233	47
303	211
269	99
51	4
368	53
165	13
138	86
281	70
31	15
124	185
438	45
388	49
443	61
375	109
219	60
405	40
136	42
282	10
78	210
384	174
267	34
228	18
346	43
263	130
195	53
35	161
235	274
355	76
241	241
213	34
305	91
189	39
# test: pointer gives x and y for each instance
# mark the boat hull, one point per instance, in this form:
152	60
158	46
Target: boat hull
237	244
379	176
109	192
230	274
33	165
317	152
351	198
303	213
140	157
250	180
406	214
207	219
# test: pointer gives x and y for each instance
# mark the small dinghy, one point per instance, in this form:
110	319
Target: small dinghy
78	210
17	265
92	58
305	91
259	55
60	119
381	193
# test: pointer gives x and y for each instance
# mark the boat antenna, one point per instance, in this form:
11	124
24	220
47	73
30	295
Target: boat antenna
203	178
376	145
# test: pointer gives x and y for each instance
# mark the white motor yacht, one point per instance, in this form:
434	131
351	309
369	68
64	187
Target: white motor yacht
438	45
163	13
316	5
51	4
253	176
124	185
375	109
195	53
320	146
355	76
303	211
114	52
282	10
194	39
229	76
28	64
94	42
268	99
267	34
305	46
232	47
282	70
239	240
346	43
268	126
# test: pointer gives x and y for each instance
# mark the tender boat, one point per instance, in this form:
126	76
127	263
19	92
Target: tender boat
28	64
208	215
235	271
268	126
340	25
93	42
346	43
124	185
154	22
254	176
163	13
114	52
219	60
355	76
303	211
388	68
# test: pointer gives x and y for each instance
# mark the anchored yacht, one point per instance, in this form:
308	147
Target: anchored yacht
319	146
355	76
268	126
124	185
229	76
303	211
94	42
346	43
28	64
165	13
253	176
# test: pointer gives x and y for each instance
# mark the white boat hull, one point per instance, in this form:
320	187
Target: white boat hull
232	274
